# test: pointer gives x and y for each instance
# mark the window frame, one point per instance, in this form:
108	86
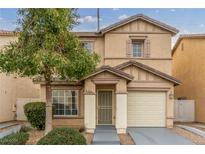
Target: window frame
77	103
138	41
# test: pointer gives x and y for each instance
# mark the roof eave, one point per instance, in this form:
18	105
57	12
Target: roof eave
173	30
124	75
151	70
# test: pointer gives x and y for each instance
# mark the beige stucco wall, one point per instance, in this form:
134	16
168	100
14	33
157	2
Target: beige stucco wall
90	113
121	113
12	88
98	46
7	97
112	46
189	67
159	45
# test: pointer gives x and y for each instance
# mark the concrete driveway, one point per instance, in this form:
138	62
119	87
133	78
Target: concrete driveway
157	136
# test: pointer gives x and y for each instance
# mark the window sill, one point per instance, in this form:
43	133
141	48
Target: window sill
68	117
137	58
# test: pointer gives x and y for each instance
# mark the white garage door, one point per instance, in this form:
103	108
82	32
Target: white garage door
146	109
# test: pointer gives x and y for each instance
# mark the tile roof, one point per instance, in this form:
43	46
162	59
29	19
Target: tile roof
7	33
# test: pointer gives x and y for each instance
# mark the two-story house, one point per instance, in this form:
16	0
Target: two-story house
189	66
132	87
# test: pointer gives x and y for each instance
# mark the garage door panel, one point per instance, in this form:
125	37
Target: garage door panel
146	109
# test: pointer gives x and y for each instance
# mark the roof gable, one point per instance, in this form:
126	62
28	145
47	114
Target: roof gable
150	70
140	17
106	68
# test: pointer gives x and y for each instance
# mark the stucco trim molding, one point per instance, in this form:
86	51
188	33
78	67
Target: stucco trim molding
170	118
66	87
105	81
150	70
148	89
89	93
67	117
121	92
107	68
135	58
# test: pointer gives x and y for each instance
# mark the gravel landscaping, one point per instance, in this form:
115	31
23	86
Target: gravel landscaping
125	139
195	138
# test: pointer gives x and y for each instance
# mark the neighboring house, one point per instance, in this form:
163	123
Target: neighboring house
132	86
12	87
189	66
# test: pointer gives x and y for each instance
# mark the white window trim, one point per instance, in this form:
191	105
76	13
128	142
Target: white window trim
77	103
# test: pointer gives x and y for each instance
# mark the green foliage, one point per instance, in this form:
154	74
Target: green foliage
25	129
15	139
63	136
46	47
81	129
36	113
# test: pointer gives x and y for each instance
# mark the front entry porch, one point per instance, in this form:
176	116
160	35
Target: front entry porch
105	100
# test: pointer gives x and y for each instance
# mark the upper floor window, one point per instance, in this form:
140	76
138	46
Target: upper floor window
65	102
137	48
89	46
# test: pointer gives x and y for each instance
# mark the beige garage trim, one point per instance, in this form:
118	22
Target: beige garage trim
146	109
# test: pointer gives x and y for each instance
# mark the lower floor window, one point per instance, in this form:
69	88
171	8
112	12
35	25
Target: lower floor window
65	102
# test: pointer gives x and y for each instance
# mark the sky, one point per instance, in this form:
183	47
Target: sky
185	20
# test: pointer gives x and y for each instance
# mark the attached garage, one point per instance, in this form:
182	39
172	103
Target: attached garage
146	109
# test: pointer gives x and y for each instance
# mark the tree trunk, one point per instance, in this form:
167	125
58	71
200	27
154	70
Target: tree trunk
48	125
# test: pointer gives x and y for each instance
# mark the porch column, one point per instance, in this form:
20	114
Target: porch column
121	107
170	108
89	106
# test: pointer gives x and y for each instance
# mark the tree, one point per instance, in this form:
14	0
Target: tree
46	47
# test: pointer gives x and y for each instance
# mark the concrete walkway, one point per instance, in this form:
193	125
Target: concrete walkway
105	135
157	136
193	130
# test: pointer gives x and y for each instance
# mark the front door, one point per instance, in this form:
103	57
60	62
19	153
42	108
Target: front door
104	107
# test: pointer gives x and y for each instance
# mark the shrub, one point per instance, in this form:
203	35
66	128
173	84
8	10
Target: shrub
36	114
63	136
81	129
25	129
15	139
